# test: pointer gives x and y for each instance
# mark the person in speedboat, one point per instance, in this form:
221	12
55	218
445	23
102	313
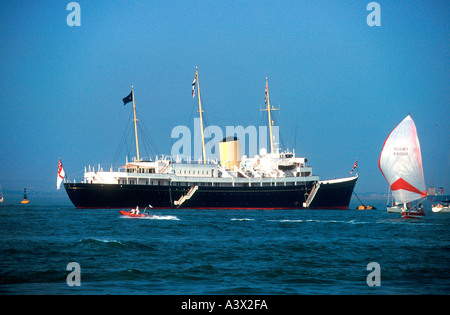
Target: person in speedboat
135	211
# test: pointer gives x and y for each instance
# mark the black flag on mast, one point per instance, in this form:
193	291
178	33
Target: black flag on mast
128	99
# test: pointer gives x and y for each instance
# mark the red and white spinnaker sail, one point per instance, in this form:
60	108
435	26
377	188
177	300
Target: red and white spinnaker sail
401	163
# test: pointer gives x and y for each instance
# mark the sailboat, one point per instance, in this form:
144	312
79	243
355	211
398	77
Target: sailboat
401	165
25	200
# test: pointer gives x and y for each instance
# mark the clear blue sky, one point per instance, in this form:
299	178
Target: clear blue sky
342	84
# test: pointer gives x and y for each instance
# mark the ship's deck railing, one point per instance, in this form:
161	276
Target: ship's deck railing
119	167
177	159
158	158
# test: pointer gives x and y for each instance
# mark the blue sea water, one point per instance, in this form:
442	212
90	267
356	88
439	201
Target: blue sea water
221	252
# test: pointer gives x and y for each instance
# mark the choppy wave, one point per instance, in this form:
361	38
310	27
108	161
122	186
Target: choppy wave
338	221
307	221
222	252
286	220
92	241
164	217
114	245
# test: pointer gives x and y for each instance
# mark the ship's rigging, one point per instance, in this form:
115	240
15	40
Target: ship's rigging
135	129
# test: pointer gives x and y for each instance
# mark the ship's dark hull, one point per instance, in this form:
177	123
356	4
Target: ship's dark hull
332	196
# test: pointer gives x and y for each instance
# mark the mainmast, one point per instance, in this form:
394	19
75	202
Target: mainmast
269	109
201	116
135	124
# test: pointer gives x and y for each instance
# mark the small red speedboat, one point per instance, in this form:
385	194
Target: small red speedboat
134	215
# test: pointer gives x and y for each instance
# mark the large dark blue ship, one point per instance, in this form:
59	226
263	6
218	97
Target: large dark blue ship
270	180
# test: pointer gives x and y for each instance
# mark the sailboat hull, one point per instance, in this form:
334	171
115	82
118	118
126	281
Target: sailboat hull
394	209
413	215
334	195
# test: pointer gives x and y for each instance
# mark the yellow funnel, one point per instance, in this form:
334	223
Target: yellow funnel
230	152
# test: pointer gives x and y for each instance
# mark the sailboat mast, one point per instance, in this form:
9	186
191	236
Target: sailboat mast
201	116
135	124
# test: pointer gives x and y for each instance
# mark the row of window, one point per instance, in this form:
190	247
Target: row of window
193	172
166	183
141	170
180	172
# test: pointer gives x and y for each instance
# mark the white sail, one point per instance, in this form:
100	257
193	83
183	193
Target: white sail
401	163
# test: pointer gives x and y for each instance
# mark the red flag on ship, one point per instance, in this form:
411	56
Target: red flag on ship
61	174
354	166
193	86
265	94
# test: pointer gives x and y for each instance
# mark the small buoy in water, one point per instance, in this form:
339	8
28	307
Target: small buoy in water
25	200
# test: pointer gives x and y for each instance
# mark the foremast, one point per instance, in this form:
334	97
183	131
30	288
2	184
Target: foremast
135	125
